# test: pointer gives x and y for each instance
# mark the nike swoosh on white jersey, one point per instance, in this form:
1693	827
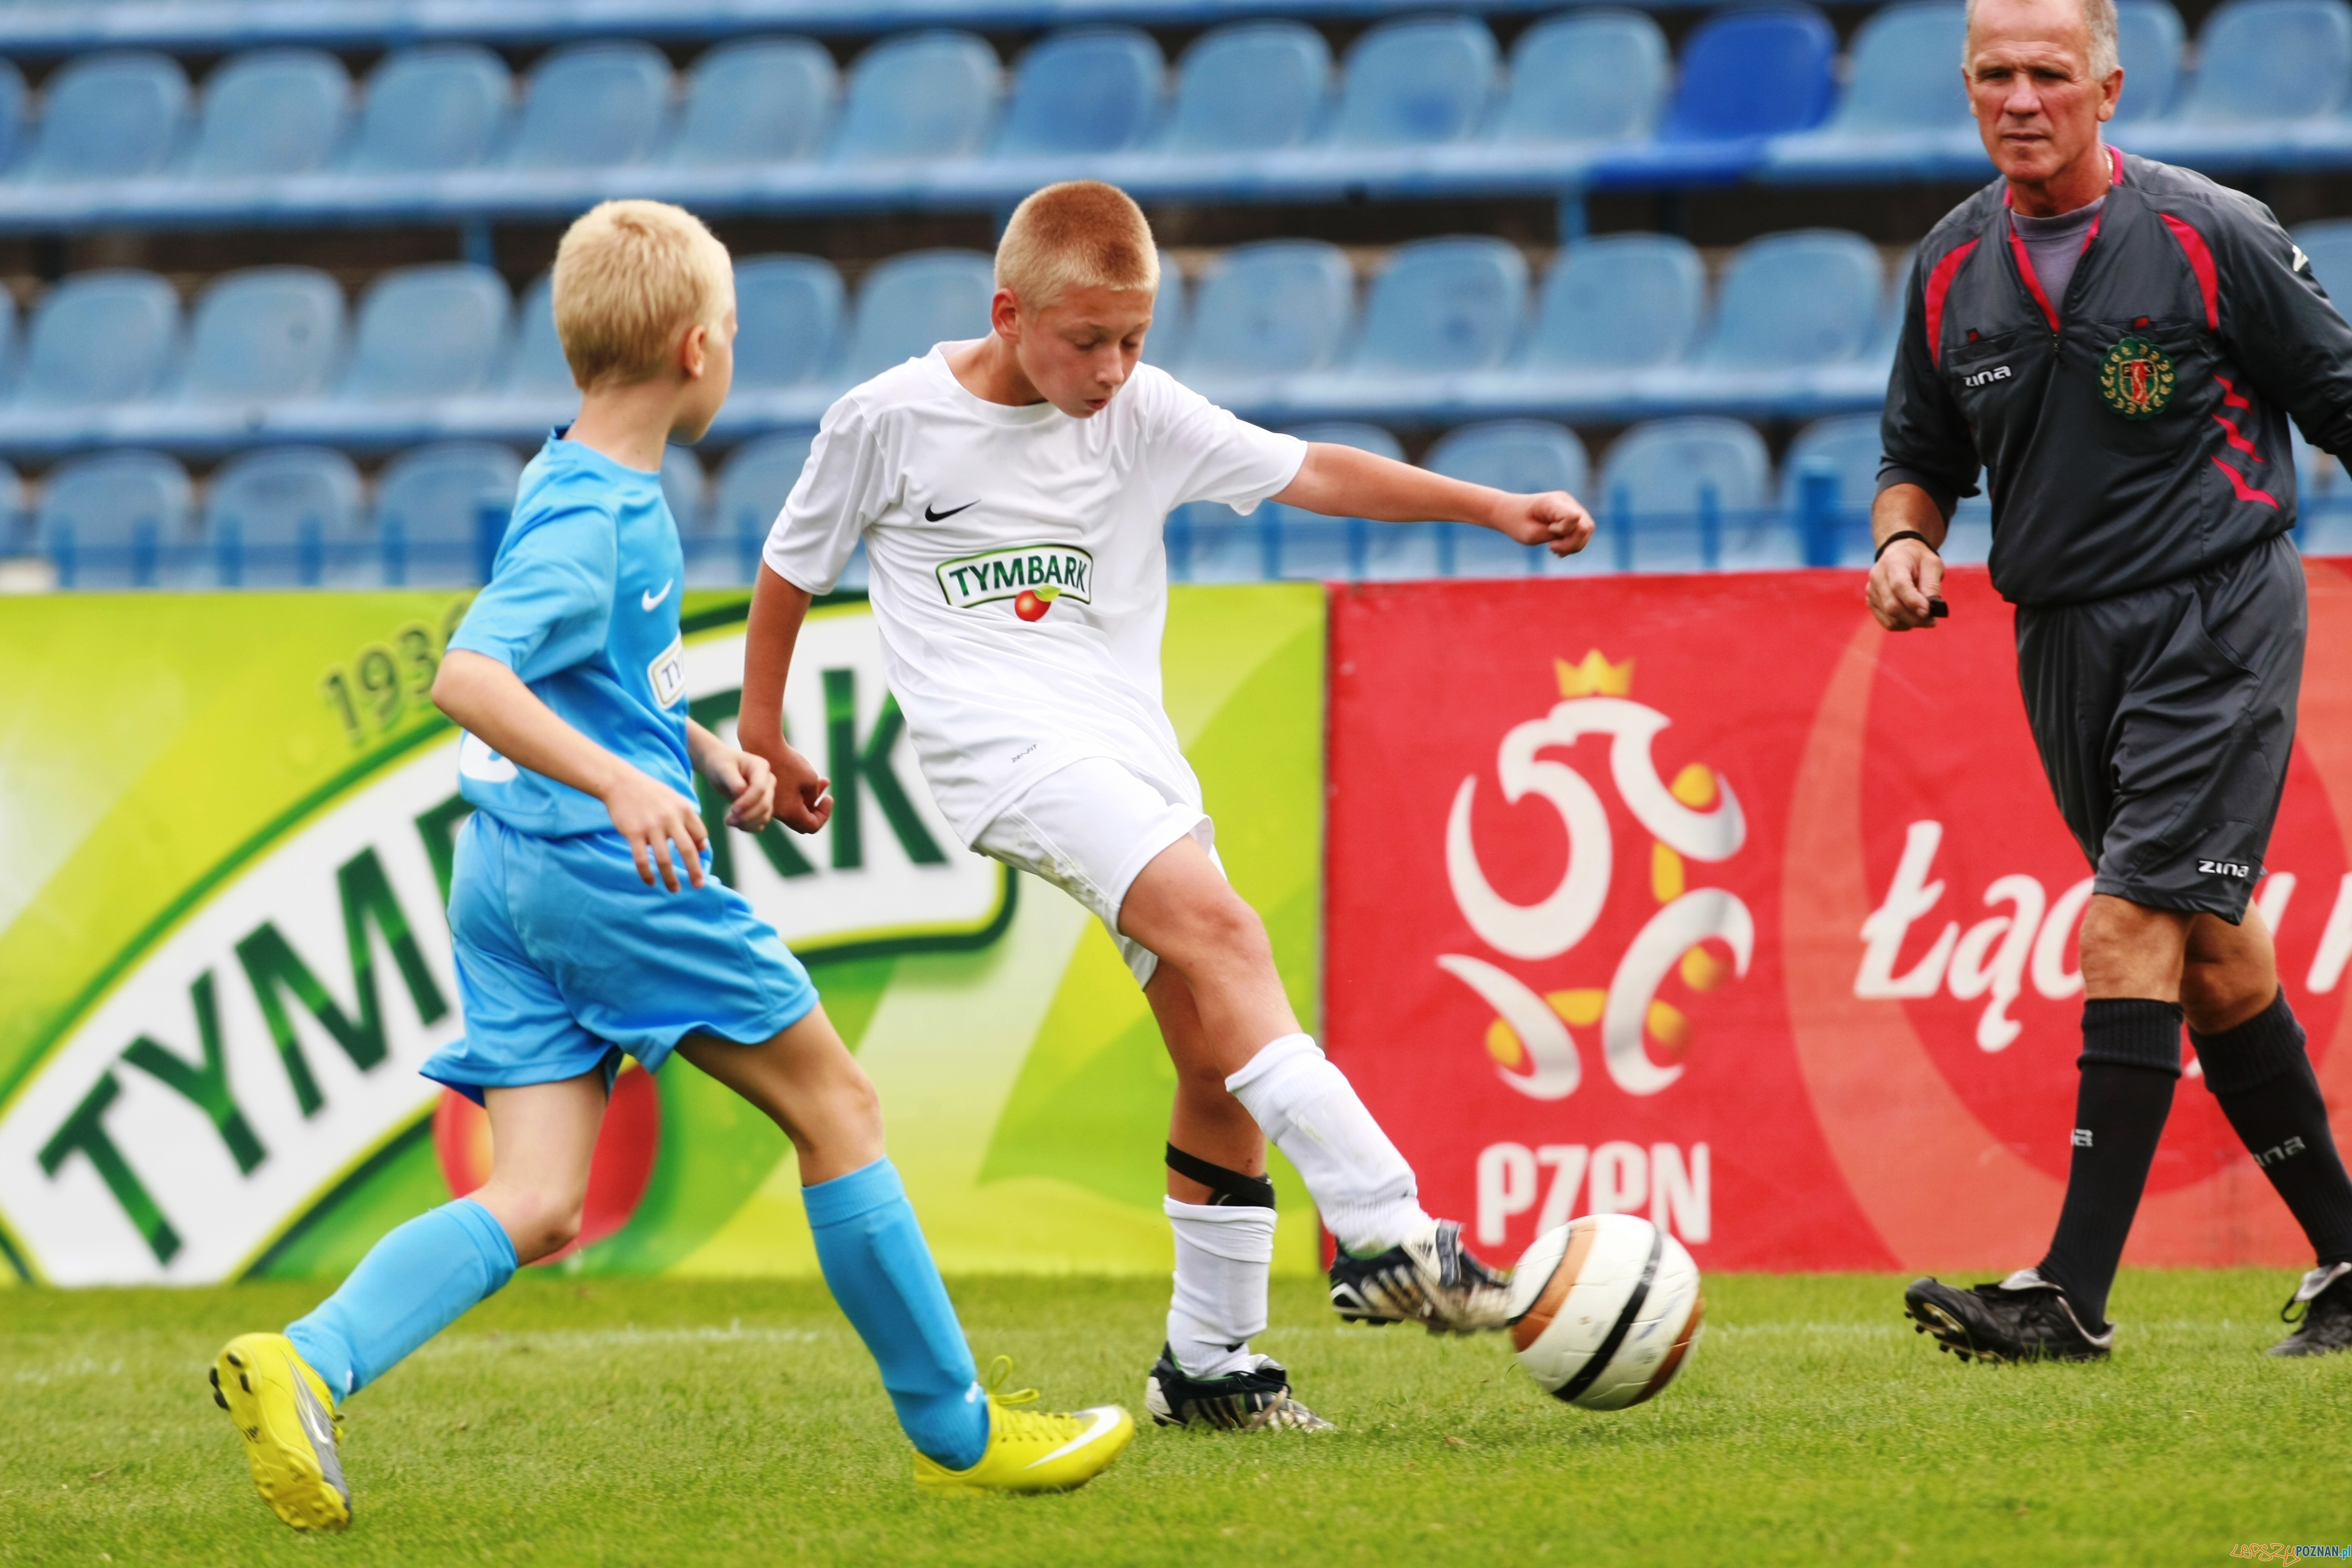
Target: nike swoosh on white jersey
651	600
1102	1420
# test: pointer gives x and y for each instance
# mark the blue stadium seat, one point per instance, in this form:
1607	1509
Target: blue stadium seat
910	303
438	512
1689	495
287	517
1844	450
110	117
430	332
2147	42
1904	72
263	335
1442	305
1523	456
1417	82
121	520
1171	316
593	106
2323	500
1589	75
431	111
1747	76
1790	300
1277	308
2261	60
751	488
17	536
13	101
788	314
538	369
273	111
1627	302
1253	87
928	95
1089	89
684	487
762	100
101	337
2329	246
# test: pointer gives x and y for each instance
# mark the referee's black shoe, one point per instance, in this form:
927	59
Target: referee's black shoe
2323	1325
2023	1318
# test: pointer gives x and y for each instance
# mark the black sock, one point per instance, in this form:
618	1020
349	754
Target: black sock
2261	1075
2130	1060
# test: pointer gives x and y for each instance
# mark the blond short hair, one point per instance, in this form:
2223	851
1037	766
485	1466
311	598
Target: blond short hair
629	278
1080	234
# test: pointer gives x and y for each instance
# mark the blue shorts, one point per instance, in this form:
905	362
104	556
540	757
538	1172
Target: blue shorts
565	959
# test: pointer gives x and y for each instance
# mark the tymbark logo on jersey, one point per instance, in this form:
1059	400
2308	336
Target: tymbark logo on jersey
1032	575
1696	818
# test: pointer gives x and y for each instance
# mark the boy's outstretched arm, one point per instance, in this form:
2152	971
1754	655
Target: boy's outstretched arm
490	702
778	607
1341	481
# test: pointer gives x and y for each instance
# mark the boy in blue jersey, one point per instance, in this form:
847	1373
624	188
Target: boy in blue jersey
585	925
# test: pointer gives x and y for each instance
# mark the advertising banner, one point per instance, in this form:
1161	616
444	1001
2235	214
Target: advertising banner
225	830
1705	898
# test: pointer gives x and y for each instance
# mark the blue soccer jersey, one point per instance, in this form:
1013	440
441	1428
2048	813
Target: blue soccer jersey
583	605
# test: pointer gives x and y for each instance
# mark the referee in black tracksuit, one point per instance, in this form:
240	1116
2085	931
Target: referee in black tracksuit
2119	344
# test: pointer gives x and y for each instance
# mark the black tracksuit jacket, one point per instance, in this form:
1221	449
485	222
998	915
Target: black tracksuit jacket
2135	431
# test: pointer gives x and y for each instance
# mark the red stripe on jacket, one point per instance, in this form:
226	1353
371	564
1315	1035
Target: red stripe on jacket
1939	284
2200	262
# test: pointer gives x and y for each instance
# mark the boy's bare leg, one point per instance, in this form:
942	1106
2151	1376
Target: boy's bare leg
807	1083
542	1140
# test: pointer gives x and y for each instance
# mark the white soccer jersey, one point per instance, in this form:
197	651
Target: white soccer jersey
1015	564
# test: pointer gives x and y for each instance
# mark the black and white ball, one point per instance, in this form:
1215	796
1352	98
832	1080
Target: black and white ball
1604	1310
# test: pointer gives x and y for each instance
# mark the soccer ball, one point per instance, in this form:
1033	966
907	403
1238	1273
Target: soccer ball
1604	1310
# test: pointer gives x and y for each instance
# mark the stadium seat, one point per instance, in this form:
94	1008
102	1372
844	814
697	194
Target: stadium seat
110	117
684	487
273	111
1747	75
788	313
2323	500
1089	89
1904	72
1277	308
1253	87
2271	60
439	512
751	488
538	369
910	303
927	95
1171	316
287	517
263	335
1441	305
593	106
1418	83
1523	456
1792	301
13	101
1690	495
430	332
431	111
1589	75
762	100
1623	303
17	536
2147	42
1844	450
107	337
2329	246
121	520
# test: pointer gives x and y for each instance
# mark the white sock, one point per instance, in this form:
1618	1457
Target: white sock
1307	1107
1223	1256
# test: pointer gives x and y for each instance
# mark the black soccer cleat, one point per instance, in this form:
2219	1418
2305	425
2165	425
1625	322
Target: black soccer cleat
2323	1325
1256	1399
2023	1318
1430	1279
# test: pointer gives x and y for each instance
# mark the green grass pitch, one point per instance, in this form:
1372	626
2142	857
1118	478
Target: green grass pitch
659	1421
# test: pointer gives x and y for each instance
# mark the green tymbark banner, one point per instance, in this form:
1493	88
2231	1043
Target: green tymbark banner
225	837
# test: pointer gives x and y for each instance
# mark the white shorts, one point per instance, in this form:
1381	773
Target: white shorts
1090	829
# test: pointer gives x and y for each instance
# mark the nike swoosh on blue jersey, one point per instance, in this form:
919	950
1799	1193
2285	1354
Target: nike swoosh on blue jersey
651	601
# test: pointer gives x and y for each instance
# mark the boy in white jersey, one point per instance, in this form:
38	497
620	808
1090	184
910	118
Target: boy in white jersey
1011	493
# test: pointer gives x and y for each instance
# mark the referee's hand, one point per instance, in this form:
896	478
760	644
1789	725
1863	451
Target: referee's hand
1907	576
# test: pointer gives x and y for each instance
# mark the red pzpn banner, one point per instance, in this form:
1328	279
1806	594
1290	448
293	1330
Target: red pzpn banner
1705	898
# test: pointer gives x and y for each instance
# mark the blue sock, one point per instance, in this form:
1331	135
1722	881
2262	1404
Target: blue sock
880	1268
413	1283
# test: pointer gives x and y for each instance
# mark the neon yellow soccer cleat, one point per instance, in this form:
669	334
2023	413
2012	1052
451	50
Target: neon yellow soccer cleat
1031	1450
285	1414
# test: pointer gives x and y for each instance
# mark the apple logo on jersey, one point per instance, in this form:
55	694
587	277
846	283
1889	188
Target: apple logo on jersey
1034	603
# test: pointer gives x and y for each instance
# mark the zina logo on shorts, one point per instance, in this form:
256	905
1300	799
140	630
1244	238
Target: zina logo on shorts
1016	570
2237	869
